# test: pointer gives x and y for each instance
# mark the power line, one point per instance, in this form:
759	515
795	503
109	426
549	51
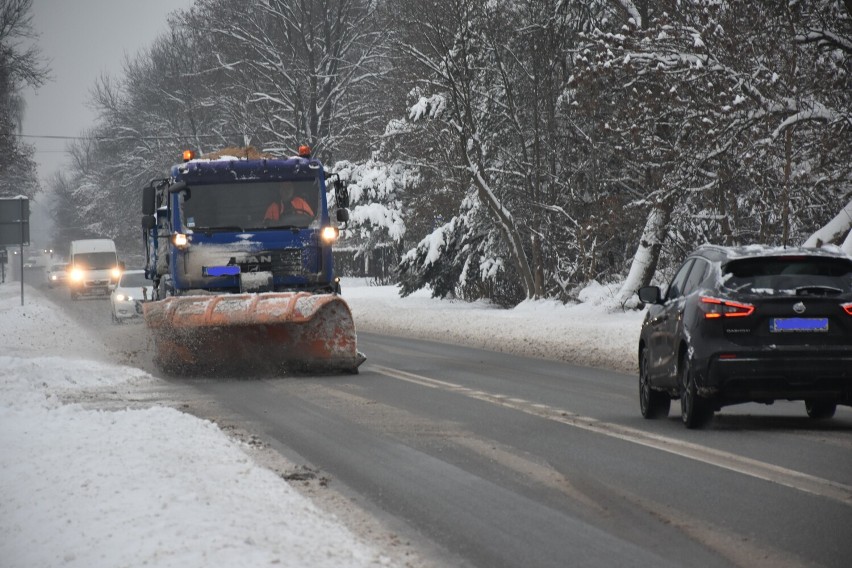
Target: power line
122	138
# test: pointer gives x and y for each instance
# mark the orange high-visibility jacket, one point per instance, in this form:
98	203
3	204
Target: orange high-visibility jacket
296	205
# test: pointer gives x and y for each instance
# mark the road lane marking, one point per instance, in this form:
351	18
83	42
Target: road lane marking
761	470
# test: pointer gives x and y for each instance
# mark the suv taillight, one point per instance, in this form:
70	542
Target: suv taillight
714	308
847	308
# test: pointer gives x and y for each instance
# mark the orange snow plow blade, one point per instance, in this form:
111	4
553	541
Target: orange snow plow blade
253	333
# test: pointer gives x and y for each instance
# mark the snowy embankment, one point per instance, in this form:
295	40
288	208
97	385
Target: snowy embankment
158	487
595	333
153	487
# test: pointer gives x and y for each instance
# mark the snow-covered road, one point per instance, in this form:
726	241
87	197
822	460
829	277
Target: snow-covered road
155	486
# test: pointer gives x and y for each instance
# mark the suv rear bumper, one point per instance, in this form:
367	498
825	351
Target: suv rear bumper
780	376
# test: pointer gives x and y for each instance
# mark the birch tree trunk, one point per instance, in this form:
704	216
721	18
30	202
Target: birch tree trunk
834	231
647	254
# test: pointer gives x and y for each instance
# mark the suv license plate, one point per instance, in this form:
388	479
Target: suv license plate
781	325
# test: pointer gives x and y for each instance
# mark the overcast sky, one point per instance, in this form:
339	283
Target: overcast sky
83	39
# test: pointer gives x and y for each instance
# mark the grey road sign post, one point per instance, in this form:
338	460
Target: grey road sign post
15	227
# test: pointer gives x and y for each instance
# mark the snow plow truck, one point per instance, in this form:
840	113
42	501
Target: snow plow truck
239	248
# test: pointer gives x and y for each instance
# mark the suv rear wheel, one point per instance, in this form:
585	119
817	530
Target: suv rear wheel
652	403
820	409
695	410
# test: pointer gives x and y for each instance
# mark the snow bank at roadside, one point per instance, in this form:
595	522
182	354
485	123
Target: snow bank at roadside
595	333
133	487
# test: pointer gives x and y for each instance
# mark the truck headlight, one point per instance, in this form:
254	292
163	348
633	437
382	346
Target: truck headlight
180	240
329	234
116	273
76	275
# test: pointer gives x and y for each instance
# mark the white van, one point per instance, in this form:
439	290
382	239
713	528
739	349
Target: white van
93	267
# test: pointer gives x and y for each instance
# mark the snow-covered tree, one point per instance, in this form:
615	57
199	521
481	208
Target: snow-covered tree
724	115
306	71
20	66
272	74
486	82
507	149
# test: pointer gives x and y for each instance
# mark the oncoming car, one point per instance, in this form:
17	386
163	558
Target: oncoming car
57	275
126	300
750	324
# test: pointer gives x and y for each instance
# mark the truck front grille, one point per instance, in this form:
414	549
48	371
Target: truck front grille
288	261
281	262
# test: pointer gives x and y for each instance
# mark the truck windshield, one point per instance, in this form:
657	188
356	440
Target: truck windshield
251	205
95	260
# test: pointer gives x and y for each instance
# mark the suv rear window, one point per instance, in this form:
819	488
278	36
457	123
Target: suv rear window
789	275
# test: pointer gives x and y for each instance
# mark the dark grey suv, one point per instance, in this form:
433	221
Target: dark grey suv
750	324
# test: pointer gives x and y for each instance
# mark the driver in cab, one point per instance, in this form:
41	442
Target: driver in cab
287	204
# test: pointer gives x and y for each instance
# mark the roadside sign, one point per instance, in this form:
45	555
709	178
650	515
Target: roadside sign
15	228
15	221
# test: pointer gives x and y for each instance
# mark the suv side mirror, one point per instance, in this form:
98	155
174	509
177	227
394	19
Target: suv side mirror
650	294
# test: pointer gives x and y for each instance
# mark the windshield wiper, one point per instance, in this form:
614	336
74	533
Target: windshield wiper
278	228
208	230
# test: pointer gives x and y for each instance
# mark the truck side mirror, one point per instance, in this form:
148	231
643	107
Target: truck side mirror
149	193
148	222
342	215
341	193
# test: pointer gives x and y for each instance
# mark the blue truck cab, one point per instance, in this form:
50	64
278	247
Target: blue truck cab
229	225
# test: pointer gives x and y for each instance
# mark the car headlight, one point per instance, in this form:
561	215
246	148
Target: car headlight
123	298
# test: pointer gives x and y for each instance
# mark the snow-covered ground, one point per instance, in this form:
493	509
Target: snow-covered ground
595	333
158	487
